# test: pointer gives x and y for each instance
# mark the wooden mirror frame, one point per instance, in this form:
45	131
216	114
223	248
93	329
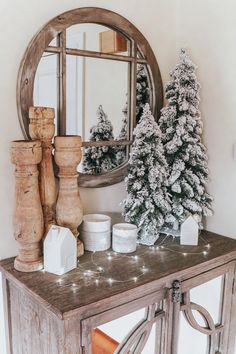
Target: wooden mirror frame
57	27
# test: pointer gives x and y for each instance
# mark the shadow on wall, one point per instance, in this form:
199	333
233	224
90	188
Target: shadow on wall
96	200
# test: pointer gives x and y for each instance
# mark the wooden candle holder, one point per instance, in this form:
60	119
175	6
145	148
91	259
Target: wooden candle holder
69	211
28	215
42	128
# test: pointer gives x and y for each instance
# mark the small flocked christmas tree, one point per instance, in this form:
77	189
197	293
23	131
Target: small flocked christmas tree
121	154
142	91
103	158
142	97
185	153
147	202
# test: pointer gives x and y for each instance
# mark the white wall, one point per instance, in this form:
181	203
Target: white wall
207	28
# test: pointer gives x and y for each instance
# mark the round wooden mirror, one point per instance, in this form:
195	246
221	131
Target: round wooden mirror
97	70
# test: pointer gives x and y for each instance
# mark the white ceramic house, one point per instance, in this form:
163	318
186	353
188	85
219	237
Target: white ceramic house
60	250
189	232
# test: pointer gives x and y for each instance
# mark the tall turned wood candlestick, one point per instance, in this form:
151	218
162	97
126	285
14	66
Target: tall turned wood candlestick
28	215
69	211
42	128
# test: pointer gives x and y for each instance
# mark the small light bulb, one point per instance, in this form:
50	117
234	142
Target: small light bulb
204	253
74	285
152	248
100	269
208	245
97	281
136	257
59	281
144	269
185	254
109	258
110	280
135	278
157	248
162	246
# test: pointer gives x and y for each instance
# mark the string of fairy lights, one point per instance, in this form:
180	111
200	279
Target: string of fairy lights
99	274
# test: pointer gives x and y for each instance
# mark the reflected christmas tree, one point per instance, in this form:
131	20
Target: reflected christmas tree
142	97
103	158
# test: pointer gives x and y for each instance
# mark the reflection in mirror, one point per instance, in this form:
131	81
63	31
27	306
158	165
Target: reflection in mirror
46	83
188	336
100	159
97	38
143	90
108	336
71	83
92	82
212	305
54	42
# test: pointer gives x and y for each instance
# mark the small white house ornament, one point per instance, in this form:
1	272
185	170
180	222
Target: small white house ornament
189	232
60	250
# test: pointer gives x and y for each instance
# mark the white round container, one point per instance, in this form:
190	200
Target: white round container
124	238
96	223
96	241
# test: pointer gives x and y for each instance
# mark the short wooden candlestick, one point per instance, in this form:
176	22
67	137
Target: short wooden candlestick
69	211
28	215
42	128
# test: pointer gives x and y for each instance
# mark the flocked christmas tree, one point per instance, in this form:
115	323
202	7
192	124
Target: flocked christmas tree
147	202
121	154
103	158
185	153
142	91
142	97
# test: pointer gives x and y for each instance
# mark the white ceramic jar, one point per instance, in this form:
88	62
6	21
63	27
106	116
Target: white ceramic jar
124	238
96	232
96	222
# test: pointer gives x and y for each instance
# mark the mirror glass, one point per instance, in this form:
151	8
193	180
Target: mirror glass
46	83
97	70
111	334
97	92
97	38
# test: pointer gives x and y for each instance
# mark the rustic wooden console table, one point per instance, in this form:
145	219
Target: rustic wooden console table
51	314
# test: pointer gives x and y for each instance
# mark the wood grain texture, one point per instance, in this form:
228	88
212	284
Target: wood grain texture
69	210
34	330
6	314
28	215
88	297
42	128
57	27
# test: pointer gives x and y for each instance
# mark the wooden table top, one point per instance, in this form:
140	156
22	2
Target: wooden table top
102	275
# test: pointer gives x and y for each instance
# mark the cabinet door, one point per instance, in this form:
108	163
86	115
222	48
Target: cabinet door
135	327
206	309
